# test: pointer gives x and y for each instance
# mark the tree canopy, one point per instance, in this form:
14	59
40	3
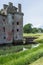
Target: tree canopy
29	29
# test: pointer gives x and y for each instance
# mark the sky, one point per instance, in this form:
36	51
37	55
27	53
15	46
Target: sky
32	9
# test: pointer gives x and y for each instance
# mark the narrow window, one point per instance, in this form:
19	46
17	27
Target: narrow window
17	23
4	29
3	19
12	17
4	37
12	23
16	36
12	30
17	30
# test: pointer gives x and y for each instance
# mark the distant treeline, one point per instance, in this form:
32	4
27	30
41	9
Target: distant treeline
28	28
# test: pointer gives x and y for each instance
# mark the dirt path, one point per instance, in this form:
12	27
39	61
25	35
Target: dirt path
38	62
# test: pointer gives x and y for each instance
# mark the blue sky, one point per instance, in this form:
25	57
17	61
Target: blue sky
32	9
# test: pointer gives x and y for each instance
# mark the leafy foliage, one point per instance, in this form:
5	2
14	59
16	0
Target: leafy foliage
29	29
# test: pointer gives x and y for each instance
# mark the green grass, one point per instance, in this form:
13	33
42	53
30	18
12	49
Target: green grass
38	35
39	39
23	57
32	35
38	62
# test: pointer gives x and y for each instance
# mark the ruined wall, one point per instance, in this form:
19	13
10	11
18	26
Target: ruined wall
6	34
1	30
18	27
3	20
9	26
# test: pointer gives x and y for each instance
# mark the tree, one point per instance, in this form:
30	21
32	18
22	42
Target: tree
34	30
27	28
40	30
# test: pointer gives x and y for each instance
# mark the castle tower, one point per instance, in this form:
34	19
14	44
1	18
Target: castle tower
14	23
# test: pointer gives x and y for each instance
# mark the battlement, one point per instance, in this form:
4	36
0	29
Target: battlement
11	9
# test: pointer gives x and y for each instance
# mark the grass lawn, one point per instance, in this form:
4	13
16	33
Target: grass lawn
23	57
38	35
38	62
32	34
